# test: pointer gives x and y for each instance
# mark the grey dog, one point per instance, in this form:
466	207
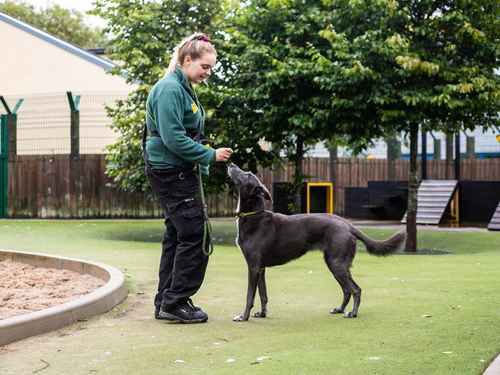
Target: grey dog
269	239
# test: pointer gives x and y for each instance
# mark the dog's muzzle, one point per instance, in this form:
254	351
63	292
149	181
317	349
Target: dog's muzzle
233	170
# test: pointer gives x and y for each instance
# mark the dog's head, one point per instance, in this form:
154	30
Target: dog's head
251	190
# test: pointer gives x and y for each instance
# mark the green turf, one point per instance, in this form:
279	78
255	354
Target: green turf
419	314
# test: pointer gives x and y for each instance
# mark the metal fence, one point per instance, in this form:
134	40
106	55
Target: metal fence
44	122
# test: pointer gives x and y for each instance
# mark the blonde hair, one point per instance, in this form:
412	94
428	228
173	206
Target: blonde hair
195	46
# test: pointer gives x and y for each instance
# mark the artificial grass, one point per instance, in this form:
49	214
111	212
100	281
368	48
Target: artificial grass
419	314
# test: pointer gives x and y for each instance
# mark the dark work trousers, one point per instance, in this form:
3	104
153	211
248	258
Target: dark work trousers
183	262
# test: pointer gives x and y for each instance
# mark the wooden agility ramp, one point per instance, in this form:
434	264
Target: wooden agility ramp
433	198
494	223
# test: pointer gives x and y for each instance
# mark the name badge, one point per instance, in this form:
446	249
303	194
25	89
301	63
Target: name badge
194	107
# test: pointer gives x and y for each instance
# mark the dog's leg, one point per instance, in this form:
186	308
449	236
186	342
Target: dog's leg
343	274
263	295
253	278
342	278
356	296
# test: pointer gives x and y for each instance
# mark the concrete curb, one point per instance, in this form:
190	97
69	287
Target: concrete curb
494	367
97	302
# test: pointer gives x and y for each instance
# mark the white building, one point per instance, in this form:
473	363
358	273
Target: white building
40	69
487	145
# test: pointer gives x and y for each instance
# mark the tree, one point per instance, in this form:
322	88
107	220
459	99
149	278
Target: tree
144	36
398	65
271	76
66	24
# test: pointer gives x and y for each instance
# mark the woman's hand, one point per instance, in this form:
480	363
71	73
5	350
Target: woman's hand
223	154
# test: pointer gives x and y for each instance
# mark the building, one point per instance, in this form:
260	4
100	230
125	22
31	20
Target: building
40	68
486	145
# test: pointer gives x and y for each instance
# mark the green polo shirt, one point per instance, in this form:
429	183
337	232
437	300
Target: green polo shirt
173	113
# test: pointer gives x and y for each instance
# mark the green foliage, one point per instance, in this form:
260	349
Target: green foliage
63	23
296	72
396	63
272	76
144	36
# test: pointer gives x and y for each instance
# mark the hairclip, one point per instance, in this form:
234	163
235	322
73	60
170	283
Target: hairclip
203	38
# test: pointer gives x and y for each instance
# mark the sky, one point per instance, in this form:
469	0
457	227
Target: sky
80	5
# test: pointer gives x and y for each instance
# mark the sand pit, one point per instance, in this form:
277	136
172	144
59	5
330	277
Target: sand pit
25	288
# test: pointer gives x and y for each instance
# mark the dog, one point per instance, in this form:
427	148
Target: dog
269	239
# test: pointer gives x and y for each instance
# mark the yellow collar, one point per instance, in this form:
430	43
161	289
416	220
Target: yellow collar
251	213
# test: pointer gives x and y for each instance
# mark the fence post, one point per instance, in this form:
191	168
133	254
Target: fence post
8	150
11	121
4	165
74	105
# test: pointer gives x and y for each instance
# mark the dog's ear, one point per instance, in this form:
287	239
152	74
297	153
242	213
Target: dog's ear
267	194
262	190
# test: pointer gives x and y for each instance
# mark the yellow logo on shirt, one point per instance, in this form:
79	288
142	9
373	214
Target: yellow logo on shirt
194	107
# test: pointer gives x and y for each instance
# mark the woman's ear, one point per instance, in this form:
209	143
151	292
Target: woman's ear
187	60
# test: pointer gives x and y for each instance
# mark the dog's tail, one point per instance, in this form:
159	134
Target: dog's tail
381	248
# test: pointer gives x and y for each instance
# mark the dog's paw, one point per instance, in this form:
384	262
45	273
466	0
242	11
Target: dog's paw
336	310
260	314
350	315
239	318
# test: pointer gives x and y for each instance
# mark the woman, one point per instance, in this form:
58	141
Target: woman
175	121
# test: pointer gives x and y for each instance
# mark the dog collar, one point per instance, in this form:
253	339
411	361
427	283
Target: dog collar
251	213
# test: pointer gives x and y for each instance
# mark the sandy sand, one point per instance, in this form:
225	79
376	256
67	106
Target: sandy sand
25	288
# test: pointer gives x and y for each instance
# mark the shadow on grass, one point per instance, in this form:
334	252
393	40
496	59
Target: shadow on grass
222	234
425	252
149	235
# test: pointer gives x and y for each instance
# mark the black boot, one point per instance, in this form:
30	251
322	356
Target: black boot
189	302
183	313
157	314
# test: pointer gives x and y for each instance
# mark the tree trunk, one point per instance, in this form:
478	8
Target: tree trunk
470	147
411	215
298	177
457	156
437	149
333	164
333	159
449	155
393	153
423	155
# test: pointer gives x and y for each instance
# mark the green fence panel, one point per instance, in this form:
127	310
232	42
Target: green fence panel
4	165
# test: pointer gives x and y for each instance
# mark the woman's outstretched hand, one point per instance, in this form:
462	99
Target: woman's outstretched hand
223	154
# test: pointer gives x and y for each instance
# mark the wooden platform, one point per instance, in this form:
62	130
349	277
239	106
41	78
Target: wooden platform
433	197
494	223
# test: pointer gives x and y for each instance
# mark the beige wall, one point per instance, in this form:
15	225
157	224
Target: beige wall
41	73
30	65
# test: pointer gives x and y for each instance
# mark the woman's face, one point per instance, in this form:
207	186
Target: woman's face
199	70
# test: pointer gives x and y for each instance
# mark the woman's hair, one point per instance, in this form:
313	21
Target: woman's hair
194	45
